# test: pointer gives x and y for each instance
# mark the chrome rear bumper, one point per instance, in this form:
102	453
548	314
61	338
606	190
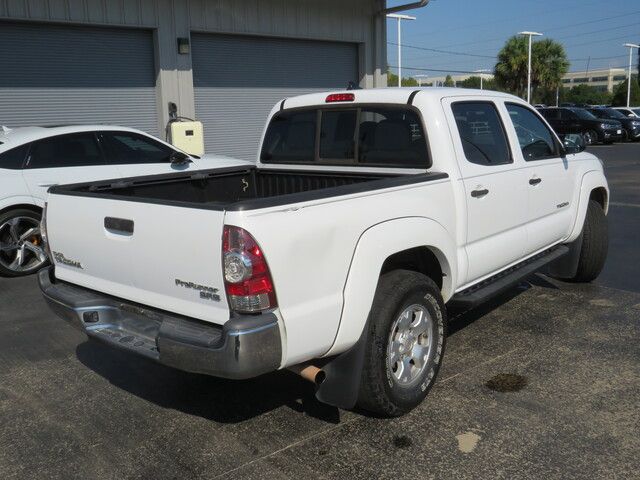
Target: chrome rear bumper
245	347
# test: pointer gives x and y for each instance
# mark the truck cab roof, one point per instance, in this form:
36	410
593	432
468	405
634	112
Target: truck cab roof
390	95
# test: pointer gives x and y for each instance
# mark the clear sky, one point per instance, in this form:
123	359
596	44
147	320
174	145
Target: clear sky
586	28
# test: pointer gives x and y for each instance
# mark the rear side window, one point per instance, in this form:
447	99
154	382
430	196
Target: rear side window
536	140
74	150
483	138
131	148
375	136
553	114
14	158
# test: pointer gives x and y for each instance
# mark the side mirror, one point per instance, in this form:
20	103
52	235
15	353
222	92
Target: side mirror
179	158
573	143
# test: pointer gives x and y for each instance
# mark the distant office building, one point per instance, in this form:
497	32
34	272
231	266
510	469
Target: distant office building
603	80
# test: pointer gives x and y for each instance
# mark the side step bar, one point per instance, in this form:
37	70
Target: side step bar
502	281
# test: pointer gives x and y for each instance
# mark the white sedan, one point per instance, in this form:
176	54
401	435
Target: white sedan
32	159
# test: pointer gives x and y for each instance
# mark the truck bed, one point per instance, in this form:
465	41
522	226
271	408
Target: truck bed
239	188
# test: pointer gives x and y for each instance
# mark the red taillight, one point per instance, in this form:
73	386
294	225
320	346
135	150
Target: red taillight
246	273
340	97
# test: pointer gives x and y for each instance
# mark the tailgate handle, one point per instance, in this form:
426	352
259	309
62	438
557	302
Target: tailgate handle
119	225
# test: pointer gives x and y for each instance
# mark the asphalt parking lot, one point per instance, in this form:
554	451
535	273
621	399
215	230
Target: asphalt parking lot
567	355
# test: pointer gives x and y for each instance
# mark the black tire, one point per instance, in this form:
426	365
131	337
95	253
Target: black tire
595	243
32	218
380	392
590	137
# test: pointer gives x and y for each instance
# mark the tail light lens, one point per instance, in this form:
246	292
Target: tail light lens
246	273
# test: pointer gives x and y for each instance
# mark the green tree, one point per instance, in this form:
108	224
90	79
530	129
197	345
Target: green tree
474	82
548	64
585	94
620	93
448	81
392	80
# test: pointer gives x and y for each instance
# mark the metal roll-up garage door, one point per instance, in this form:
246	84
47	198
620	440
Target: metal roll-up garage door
52	75
238	79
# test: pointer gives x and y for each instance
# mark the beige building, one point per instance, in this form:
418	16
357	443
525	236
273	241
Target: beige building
429	81
603	80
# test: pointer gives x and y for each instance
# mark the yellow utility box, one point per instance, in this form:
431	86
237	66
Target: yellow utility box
188	136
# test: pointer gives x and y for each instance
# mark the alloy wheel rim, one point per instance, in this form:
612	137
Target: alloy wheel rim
21	247
589	137
410	345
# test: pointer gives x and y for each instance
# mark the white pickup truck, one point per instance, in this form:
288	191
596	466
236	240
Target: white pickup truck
367	212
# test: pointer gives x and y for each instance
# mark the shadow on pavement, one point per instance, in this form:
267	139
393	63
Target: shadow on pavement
216	399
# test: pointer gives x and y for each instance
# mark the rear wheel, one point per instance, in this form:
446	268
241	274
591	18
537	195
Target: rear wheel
595	243
405	343
590	137
21	249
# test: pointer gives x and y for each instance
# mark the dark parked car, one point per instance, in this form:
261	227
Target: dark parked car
566	120
630	126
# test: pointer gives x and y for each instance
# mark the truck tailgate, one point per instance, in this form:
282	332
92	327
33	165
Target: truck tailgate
139	252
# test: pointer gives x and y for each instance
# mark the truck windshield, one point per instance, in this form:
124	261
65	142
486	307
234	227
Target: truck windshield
381	136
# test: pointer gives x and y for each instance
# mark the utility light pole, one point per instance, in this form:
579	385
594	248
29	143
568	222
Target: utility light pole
481	71
631	46
420	77
529	34
400	17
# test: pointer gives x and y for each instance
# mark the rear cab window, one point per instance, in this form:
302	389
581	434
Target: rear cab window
367	135
482	134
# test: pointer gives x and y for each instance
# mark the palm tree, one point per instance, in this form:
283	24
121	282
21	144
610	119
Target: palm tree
548	64
511	68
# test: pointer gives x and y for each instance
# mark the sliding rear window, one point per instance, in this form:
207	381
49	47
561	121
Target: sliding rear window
379	136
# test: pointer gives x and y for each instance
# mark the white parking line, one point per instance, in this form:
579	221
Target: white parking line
623	204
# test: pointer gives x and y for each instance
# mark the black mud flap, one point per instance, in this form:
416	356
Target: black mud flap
566	266
342	382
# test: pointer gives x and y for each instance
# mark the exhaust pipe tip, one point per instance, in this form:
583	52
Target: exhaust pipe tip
310	373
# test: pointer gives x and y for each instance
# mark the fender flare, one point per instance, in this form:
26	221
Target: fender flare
374	246
590	180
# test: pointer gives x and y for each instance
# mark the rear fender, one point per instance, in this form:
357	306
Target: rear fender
376	245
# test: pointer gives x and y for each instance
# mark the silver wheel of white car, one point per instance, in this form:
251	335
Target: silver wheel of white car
21	248
410	344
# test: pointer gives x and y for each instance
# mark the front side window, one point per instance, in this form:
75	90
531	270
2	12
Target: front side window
73	150
132	148
14	159
536	140
483	138
370	135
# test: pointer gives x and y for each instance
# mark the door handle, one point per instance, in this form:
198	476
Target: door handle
120	226
534	181
479	193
